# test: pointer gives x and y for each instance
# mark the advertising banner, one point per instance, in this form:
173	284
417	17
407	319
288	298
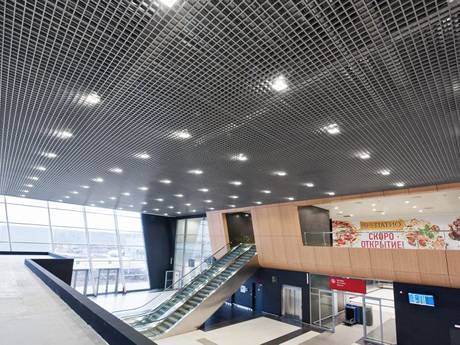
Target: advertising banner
412	233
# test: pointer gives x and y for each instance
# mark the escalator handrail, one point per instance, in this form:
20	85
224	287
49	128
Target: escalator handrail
171	286
158	321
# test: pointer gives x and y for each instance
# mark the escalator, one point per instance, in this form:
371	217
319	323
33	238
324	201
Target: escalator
193	304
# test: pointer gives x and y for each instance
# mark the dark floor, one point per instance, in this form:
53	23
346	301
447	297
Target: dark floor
228	314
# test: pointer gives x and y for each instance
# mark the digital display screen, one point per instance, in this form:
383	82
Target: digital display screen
426	300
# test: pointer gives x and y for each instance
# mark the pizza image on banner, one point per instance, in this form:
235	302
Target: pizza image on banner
388	234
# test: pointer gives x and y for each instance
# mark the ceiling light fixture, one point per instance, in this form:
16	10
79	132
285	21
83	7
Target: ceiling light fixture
98	179
208	201
280	173
232	206
181	135
143	188
126	193
290	198
116	170
34	178
279	83
240	157
66	197
364	155
29	185
188	204
233	196
171	207
74	192
50	155
407	202
40	168
113	198
179	195
101	201
266	191
195	171
309	184
204	190
160	199
193	211
178	212
333	129
399	184
236	183
25	191
258	202
92	98
144	203
62	134
84	186
165	181
156	209
330	193
211	208
384	172
142	155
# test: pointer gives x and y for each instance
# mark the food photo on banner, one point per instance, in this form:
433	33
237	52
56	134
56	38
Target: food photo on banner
431	232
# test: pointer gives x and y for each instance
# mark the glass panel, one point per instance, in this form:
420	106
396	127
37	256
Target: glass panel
27	214
25	201
69	235
136	275
67	218
99	210
4	247
31	247
4	232
133	253
129	223
63	206
132	238
102	236
2	213
30	233
104	256
100	221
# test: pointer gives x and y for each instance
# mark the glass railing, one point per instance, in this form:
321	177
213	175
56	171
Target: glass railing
421	238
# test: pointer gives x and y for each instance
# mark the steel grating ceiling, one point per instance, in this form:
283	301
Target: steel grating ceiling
385	72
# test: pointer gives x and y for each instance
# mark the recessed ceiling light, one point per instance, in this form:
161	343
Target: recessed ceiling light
165	181
171	207
113	198
258	202
66	197
195	171
92	205
49	155
131	206
415	206
421	211
184	134
279	83
208	201
40	168
384	172
142	155
29	185
236	183
374	210
22	195
59	200
92	98
156	209
280	173
204	190
25	191
333	129
179	195
363	155
188	204
232	206
34	178
340	212
373	205
126	193
98	179
193	211
351	214
211	208
143	188
233	196
336	207
330	193
144	203
74	192
407	202
159	199
309	184
400	184
116	170
120	208
290	198
101	201
84	187
240	157
178	212
62	134
165	214
266	191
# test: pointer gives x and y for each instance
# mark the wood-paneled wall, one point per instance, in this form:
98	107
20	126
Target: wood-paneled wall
279	245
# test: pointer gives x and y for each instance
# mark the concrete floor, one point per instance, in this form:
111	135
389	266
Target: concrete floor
30	313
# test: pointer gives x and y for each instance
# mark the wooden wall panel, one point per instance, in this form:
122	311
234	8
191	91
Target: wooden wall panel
360	261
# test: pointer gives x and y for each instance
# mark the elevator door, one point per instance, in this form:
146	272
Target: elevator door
291	302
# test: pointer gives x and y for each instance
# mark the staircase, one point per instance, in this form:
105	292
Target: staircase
192	305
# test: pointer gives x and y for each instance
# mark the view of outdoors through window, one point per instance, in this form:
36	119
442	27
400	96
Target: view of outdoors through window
108	245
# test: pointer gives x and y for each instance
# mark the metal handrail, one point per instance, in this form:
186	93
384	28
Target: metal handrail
171	286
157	321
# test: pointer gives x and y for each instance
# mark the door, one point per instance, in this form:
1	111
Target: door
291	297
258	304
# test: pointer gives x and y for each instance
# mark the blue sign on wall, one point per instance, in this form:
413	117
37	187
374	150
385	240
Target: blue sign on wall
426	300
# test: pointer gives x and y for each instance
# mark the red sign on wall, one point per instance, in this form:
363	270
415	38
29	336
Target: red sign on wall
347	284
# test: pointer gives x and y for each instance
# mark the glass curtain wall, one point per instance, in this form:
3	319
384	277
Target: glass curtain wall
107	245
193	246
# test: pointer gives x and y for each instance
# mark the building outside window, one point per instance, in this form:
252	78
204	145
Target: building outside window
107	245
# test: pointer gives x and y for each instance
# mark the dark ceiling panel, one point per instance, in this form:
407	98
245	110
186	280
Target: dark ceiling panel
385	72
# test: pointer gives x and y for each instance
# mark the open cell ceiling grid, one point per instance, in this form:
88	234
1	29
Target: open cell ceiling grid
386	72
